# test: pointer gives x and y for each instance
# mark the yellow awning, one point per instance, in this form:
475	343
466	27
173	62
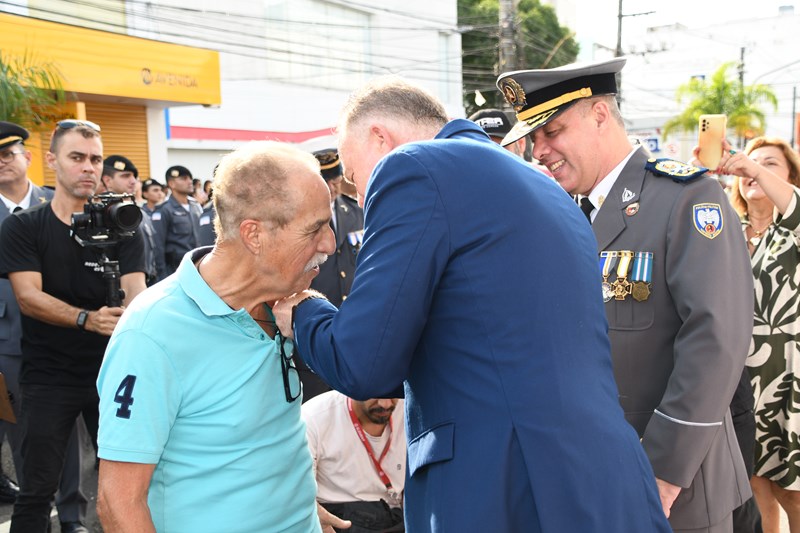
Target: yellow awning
95	62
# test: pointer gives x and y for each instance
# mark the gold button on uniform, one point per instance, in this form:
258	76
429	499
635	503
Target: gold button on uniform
343	274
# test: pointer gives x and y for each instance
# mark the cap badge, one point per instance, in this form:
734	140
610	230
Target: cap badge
708	219
119	165
513	93
174	173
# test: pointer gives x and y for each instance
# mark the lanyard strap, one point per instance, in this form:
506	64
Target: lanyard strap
367	446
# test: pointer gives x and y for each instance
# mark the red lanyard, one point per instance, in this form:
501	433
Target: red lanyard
360	432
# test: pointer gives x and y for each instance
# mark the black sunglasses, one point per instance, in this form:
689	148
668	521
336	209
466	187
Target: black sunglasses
292	386
68	124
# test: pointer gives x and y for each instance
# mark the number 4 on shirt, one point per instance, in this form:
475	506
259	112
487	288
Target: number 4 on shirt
124	396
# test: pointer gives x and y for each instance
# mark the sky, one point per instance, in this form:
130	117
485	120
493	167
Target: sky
597	19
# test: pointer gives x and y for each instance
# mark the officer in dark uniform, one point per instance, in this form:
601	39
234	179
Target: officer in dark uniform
119	177
207	232
679	331
336	274
177	222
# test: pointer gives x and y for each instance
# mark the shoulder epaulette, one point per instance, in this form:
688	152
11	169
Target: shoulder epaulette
679	172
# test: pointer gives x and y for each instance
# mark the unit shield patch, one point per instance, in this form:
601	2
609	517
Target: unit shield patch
708	219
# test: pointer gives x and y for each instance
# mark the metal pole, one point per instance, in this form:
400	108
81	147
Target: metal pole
794	116
508	46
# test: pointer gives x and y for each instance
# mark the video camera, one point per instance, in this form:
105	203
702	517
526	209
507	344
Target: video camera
107	219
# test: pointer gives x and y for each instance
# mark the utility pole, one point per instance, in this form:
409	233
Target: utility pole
508	43
618	50
741	67
794	117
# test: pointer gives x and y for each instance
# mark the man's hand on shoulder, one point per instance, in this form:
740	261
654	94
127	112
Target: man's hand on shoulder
104	320
283	310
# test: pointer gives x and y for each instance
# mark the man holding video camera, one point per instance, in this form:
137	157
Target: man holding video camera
62	294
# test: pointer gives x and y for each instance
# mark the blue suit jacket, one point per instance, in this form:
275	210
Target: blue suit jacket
476	285
10	322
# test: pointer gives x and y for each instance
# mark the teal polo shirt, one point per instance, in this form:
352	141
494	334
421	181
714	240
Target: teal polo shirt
194	387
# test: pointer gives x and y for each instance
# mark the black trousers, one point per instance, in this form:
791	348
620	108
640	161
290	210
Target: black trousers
48	417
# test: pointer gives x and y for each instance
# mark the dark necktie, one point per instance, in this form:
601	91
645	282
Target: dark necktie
586	207
18	208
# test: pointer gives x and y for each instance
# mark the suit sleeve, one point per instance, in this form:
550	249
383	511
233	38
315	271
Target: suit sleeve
365	349
711	283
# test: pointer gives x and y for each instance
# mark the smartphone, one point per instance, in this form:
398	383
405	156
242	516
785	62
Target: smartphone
711	134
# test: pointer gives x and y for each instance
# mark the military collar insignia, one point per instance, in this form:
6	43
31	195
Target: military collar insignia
679	172
628	195
707	219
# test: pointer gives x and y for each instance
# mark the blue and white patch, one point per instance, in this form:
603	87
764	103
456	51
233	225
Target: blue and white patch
679	172
708	219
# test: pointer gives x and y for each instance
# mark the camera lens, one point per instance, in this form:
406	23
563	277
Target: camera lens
124	216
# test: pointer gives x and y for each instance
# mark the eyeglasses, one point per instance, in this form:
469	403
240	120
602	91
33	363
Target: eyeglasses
292	387
8	156
72	123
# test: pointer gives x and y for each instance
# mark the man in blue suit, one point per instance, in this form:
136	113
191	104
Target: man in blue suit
475	289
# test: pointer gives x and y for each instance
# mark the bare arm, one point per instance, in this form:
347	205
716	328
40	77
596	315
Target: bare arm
122	497
780	192
36	303
132	284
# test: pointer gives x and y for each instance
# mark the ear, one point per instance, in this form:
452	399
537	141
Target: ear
50	158
383	137
601	113
250	233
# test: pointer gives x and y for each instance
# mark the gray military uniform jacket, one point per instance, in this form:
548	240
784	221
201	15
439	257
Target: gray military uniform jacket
678	355
10	324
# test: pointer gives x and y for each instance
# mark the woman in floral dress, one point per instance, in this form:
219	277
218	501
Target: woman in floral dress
767	197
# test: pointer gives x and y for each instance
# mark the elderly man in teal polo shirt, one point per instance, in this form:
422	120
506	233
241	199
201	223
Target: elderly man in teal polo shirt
200	425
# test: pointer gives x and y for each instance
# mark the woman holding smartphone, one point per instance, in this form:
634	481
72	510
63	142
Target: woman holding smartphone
766	195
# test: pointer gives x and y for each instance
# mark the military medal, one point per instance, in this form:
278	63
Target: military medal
607	260
642	275
621	286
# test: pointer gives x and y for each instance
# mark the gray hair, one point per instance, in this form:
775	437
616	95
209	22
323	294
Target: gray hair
393	97
253	182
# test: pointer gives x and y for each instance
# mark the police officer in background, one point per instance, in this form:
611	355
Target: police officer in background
177	222
120	176
153	194
336	274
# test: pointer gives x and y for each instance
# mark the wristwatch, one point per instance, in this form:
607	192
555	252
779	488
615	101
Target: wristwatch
81	322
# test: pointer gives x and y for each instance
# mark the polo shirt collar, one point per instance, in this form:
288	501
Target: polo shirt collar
196	287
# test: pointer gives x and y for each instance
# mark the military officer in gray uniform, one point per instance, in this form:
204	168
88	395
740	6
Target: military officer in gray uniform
336	274
675	276
17	192
119	177
177	222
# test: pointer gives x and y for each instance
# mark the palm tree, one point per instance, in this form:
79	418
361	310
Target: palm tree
29	91
722	95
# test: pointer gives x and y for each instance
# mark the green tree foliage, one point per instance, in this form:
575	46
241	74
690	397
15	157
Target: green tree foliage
541	43
29	91
722	94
